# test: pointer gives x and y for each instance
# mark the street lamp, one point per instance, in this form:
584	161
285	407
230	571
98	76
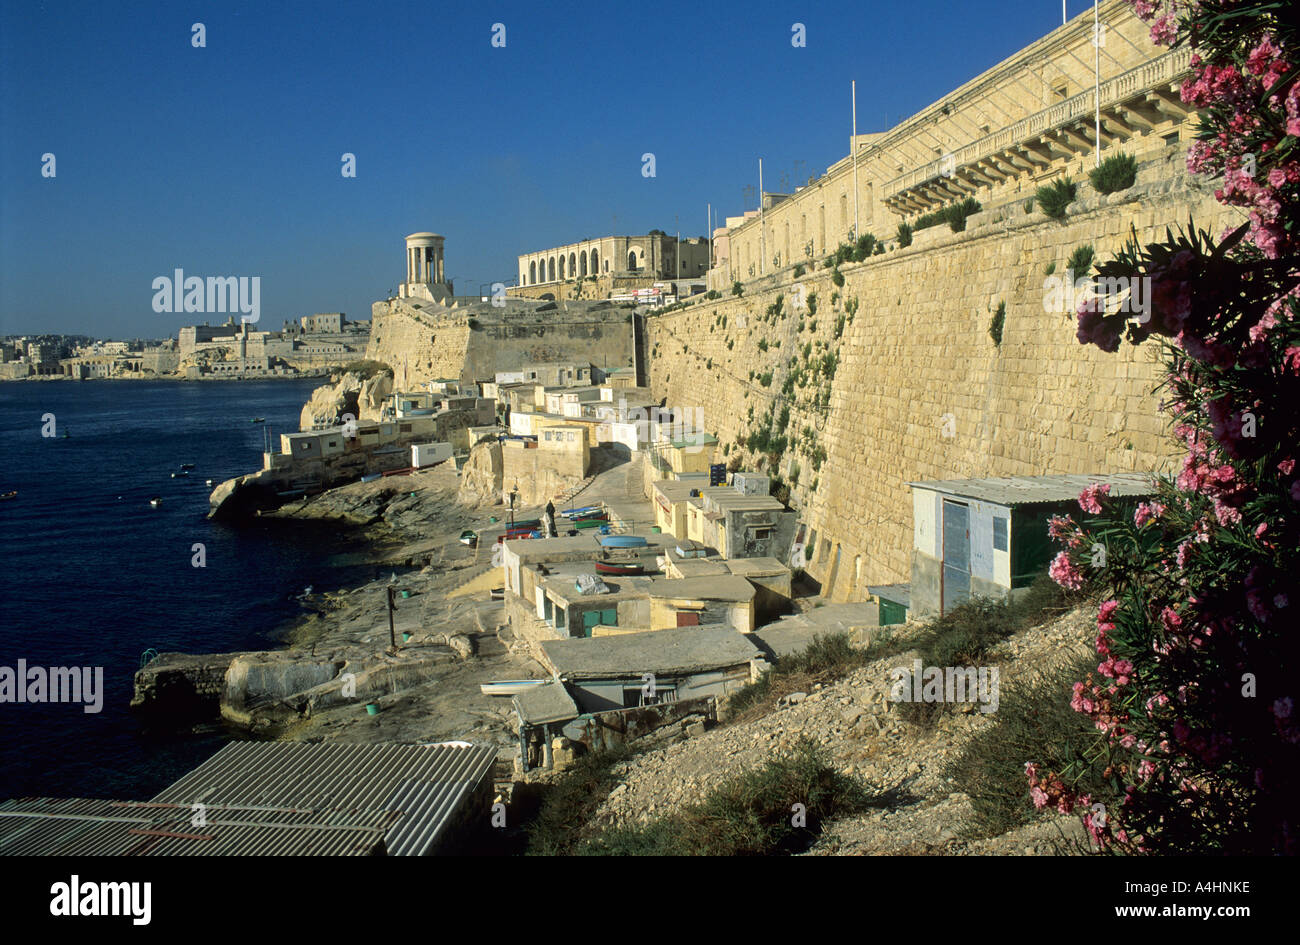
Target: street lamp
392	605
514	494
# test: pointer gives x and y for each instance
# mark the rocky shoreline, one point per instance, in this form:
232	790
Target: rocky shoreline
339	677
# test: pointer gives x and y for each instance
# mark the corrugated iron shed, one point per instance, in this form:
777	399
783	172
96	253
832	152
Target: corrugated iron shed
79	827
269	798
1012	491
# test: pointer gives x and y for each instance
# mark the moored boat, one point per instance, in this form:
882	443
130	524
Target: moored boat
623	541
156	501
468	537
619	567
12	494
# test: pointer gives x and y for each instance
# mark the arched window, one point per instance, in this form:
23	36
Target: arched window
595	263
573	265
582	263
532	272
631	261
561	267
552	268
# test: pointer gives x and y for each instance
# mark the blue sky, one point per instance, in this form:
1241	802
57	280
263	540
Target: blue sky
226	160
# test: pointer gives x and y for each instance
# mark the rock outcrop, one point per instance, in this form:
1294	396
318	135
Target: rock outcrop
481	475
350	394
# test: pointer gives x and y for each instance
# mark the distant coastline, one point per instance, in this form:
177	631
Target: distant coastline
300	375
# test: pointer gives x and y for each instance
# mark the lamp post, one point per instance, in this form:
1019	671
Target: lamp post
392	605
514	494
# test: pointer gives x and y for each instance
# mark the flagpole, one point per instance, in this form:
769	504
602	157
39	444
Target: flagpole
855	158
1096	70
762	233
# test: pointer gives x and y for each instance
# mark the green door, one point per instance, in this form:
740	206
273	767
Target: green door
609	617
589	619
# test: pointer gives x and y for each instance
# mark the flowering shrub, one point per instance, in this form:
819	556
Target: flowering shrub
1194	696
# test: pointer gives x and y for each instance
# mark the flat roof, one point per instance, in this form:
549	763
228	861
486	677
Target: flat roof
703	439
894	593
678	650
699	567
549	702
1030	490
756	567
725	587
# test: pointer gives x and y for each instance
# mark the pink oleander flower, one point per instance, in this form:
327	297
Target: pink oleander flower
1148	512
1164	30
1107	611
1089	499
1064	573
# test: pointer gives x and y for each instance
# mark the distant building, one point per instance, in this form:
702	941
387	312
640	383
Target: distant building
656	254
320	323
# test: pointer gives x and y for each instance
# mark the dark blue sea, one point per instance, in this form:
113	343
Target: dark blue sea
91	575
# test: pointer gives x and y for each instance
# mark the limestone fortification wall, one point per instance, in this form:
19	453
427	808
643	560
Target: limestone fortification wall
418	345
917	356
422	343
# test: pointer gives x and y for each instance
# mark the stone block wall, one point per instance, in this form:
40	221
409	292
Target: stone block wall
920	390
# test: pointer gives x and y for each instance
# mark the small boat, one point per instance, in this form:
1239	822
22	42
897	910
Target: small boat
599	514
5	496
468	537
574	513
180	475
373	477
623	541
619	567
187	465
590	523
258	420
208	483
156	501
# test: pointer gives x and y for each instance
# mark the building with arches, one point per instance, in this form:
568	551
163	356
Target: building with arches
611	262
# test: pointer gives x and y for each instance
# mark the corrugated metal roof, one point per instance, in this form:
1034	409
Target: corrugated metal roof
272	798
80	826
339	777
1029	490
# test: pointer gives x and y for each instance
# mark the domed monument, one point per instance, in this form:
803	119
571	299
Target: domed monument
425	278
